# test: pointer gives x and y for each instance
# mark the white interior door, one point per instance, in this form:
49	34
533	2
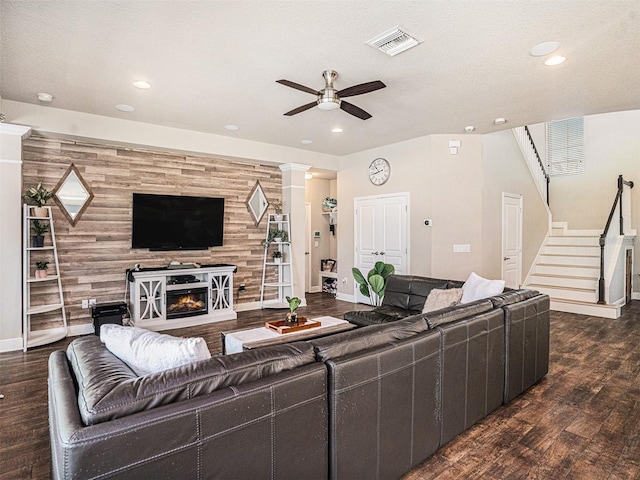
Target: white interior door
381	233
512	239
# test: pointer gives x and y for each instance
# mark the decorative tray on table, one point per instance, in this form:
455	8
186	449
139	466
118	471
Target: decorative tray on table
281	326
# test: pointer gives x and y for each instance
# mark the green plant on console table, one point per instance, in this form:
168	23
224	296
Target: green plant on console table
376	282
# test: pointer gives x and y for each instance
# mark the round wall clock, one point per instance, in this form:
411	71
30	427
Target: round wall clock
379	171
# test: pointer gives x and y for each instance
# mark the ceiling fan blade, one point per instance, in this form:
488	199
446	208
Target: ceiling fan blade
297	86
362	88
301	109
353	110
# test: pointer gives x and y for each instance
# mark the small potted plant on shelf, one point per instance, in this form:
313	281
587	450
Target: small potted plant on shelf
277	205
39	195
277	256
39	229
292	316
278	236
41	269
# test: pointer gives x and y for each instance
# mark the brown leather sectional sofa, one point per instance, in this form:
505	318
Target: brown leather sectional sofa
369	403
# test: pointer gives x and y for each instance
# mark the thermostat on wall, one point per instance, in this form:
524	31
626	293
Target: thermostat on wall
316	234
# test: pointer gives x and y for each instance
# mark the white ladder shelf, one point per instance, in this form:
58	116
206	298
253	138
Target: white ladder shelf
29	309
277	274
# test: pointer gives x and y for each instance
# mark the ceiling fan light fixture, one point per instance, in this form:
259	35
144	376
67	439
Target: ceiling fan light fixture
394	41
328	103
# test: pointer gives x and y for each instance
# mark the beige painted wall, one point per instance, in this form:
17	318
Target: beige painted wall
461	193
504	170
316	191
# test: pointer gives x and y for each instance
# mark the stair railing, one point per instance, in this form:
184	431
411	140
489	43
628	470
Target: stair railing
532	157
617	202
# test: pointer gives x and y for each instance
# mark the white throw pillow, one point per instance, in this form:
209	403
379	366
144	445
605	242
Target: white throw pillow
150	352
476	288
440	298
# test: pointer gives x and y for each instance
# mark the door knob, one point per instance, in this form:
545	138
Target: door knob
306	253
507	258
381	253
374	253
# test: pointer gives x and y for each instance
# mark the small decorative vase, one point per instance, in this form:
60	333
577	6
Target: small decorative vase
292	318
277	239
38	241
278	217
277	260
41	274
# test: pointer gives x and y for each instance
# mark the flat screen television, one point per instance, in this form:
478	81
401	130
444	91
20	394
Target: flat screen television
171	222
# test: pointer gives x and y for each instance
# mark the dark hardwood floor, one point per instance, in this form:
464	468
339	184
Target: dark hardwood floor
581	422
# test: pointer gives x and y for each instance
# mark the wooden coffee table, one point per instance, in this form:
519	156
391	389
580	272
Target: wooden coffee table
247	339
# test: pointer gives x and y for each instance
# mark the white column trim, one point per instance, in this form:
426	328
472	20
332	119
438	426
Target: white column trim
285	167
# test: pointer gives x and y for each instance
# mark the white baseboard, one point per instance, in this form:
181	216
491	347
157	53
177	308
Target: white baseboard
346	298
82	329
11	344
635	295
244	307
316	289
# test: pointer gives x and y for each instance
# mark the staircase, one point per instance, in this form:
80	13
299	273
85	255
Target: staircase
568	269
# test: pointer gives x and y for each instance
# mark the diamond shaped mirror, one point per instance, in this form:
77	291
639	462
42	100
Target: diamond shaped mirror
72	194
257	203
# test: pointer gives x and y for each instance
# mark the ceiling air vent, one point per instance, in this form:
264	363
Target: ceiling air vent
394	41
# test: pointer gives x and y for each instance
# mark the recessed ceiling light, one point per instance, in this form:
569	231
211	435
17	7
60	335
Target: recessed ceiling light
123	107
306	142
233	128
45	97
337	130
308	175
141	84
556	60
543	49
469	128
500	121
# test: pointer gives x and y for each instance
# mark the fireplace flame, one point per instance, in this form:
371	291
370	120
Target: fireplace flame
186	303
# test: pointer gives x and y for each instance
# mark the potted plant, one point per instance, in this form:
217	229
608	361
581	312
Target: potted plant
41	269
39	229
277	256
292	316
376	282
276	235
277	205
39	195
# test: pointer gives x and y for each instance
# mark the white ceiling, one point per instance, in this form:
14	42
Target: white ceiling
212	63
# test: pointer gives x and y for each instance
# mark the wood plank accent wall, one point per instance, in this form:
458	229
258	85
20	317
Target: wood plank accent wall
96	252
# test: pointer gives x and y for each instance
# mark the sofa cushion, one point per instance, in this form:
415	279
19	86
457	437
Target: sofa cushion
150	352
341	344
451	314
381	314
409	292
476	288
439	298
109	389
513	296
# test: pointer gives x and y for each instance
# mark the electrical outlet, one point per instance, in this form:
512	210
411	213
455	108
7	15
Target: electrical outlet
92	302
461	248
242	287
85	303
344	281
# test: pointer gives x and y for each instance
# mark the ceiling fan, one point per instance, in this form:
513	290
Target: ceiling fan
330	99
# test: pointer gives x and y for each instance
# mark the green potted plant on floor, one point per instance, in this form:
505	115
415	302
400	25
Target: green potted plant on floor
39	229
292	316
38	195
376	282
41	269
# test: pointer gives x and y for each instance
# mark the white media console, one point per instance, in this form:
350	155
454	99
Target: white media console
167	298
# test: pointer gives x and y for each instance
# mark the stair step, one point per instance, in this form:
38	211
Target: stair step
574	260
567	270
590	241
561	229
585	308
572	250
566	293
552	280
